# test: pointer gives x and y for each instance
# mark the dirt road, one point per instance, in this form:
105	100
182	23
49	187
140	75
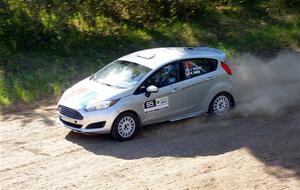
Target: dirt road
233	153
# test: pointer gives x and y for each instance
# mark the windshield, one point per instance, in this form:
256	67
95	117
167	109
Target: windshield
123	74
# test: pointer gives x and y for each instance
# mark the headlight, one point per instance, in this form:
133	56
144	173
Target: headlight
100	105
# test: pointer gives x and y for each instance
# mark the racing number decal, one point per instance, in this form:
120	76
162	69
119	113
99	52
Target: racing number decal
156	104
149	104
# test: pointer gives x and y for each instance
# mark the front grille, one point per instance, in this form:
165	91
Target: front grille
69	112
96	125
77	126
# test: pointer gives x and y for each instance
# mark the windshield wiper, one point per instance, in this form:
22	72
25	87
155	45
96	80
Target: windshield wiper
109	85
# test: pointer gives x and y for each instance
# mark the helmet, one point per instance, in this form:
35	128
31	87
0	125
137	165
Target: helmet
168	69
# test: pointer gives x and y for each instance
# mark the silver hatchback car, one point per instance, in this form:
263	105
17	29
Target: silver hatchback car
146	87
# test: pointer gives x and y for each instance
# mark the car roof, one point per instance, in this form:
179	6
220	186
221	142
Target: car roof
156	57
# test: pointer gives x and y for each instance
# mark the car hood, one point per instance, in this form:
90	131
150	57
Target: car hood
88	91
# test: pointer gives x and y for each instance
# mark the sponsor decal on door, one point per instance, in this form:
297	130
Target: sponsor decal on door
156	104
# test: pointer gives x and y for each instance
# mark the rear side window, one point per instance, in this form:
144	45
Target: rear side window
196	67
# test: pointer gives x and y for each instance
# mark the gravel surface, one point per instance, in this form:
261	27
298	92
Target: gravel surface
200	153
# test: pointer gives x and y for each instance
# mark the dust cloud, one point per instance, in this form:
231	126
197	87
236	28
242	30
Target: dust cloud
266	87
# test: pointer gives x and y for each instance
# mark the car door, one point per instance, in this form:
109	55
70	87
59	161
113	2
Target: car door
200	77
168	101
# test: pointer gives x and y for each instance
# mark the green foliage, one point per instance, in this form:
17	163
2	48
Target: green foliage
45	46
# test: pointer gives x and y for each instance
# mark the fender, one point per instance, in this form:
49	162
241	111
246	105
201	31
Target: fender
219	87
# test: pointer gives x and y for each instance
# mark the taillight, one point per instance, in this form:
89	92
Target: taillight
226	68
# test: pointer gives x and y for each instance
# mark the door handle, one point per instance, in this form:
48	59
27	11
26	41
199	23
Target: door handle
210	78
174	90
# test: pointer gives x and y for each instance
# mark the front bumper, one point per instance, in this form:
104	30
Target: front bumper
101	120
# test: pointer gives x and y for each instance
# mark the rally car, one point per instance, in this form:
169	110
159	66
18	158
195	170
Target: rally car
146	87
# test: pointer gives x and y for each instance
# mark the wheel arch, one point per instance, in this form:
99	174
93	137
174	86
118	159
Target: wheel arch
222	92
132	112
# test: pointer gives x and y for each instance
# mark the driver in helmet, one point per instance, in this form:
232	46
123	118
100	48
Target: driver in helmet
169	75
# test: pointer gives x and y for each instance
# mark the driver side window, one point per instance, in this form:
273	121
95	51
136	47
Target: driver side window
166	75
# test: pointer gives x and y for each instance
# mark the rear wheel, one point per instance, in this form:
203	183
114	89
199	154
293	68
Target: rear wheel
125	127
220	105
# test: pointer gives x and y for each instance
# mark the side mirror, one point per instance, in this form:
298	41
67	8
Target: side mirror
151	89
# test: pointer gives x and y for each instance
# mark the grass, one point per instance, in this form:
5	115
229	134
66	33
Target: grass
45	70
43	76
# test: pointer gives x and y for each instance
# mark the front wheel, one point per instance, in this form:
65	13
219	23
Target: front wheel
125	127
220	105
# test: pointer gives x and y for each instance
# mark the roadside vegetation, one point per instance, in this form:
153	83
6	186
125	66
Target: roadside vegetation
46	46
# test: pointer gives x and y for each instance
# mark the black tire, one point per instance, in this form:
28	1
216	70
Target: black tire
122	127
219	102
